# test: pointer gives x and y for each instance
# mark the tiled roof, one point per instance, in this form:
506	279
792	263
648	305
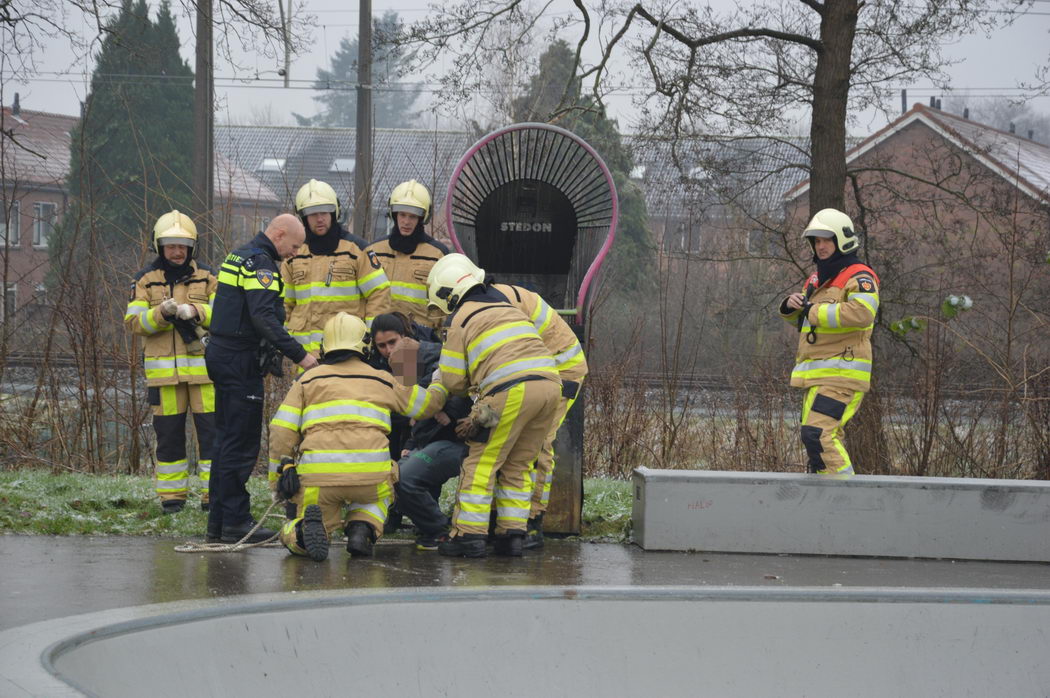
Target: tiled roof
717	174
1018	160
38	150
39	154
284	158
234	184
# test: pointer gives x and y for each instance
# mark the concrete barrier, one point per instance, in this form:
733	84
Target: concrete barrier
866	515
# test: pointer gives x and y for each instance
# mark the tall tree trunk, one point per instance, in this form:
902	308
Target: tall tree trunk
828	187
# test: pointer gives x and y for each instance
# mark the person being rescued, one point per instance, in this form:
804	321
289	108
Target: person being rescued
336	418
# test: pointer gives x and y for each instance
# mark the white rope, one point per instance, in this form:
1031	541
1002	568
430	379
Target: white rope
271	542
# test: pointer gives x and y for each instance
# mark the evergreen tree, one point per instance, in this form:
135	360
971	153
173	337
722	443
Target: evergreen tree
391	102
632	254
131	151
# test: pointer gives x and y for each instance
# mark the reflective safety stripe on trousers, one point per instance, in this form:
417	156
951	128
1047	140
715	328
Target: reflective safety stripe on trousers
858	369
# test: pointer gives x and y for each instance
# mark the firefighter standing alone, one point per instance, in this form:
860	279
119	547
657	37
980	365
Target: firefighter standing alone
835	314
408	253
170	302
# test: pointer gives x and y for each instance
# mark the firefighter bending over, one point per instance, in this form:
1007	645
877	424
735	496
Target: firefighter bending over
493	350
337	417
835	314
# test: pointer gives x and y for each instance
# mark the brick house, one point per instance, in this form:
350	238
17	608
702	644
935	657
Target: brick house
34	165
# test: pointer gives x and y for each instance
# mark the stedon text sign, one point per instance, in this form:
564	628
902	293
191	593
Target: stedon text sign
524	227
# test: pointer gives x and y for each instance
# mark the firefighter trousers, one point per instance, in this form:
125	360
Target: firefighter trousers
825	411
497	466
170	404
368	503
543	469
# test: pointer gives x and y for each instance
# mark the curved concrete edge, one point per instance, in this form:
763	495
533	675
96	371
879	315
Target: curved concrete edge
27	653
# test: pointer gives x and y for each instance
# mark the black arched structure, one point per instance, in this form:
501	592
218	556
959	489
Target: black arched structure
534	205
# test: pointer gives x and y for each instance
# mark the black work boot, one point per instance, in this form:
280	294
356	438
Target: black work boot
214	535
314	537
234	534
509	545
172	506
534	533
466	545
360	539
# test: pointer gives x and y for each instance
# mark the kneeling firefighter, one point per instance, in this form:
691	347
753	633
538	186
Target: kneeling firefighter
337	417
493	350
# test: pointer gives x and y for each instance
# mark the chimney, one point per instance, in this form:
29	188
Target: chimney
938	104
933	102
904	101
1013	127
966	112
1031	134
16	108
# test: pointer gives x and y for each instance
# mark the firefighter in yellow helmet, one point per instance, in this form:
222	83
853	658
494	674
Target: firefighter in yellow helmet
408	253
493	350
336	417
332	274
170	307
835	314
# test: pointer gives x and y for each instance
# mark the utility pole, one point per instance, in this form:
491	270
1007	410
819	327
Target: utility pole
286	33
203	125
363	157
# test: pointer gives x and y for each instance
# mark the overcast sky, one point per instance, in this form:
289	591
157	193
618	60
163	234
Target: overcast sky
989	66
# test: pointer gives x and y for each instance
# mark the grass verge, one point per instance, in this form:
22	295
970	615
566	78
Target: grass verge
41	503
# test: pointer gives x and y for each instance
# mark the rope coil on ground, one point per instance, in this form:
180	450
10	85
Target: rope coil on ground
272	542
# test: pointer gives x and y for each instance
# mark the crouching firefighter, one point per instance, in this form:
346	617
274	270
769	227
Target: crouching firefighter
493	350
170	307
337	417
835	314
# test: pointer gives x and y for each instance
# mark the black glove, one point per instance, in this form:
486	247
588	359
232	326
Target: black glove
288	484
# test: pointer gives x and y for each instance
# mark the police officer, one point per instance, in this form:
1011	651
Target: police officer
493	350
408	253
835	314
332	274
170	306
337	417
247	323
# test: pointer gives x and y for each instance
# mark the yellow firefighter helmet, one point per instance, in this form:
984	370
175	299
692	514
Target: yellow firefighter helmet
316	197
410	197
345	331
831	222
449	280
174	228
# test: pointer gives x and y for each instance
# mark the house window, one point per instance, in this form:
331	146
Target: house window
44	213
272	165
10	300
12	225
760	243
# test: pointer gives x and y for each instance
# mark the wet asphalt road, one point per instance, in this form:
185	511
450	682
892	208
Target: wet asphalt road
47	577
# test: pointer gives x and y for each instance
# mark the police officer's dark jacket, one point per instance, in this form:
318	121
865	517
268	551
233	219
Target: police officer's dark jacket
249	302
